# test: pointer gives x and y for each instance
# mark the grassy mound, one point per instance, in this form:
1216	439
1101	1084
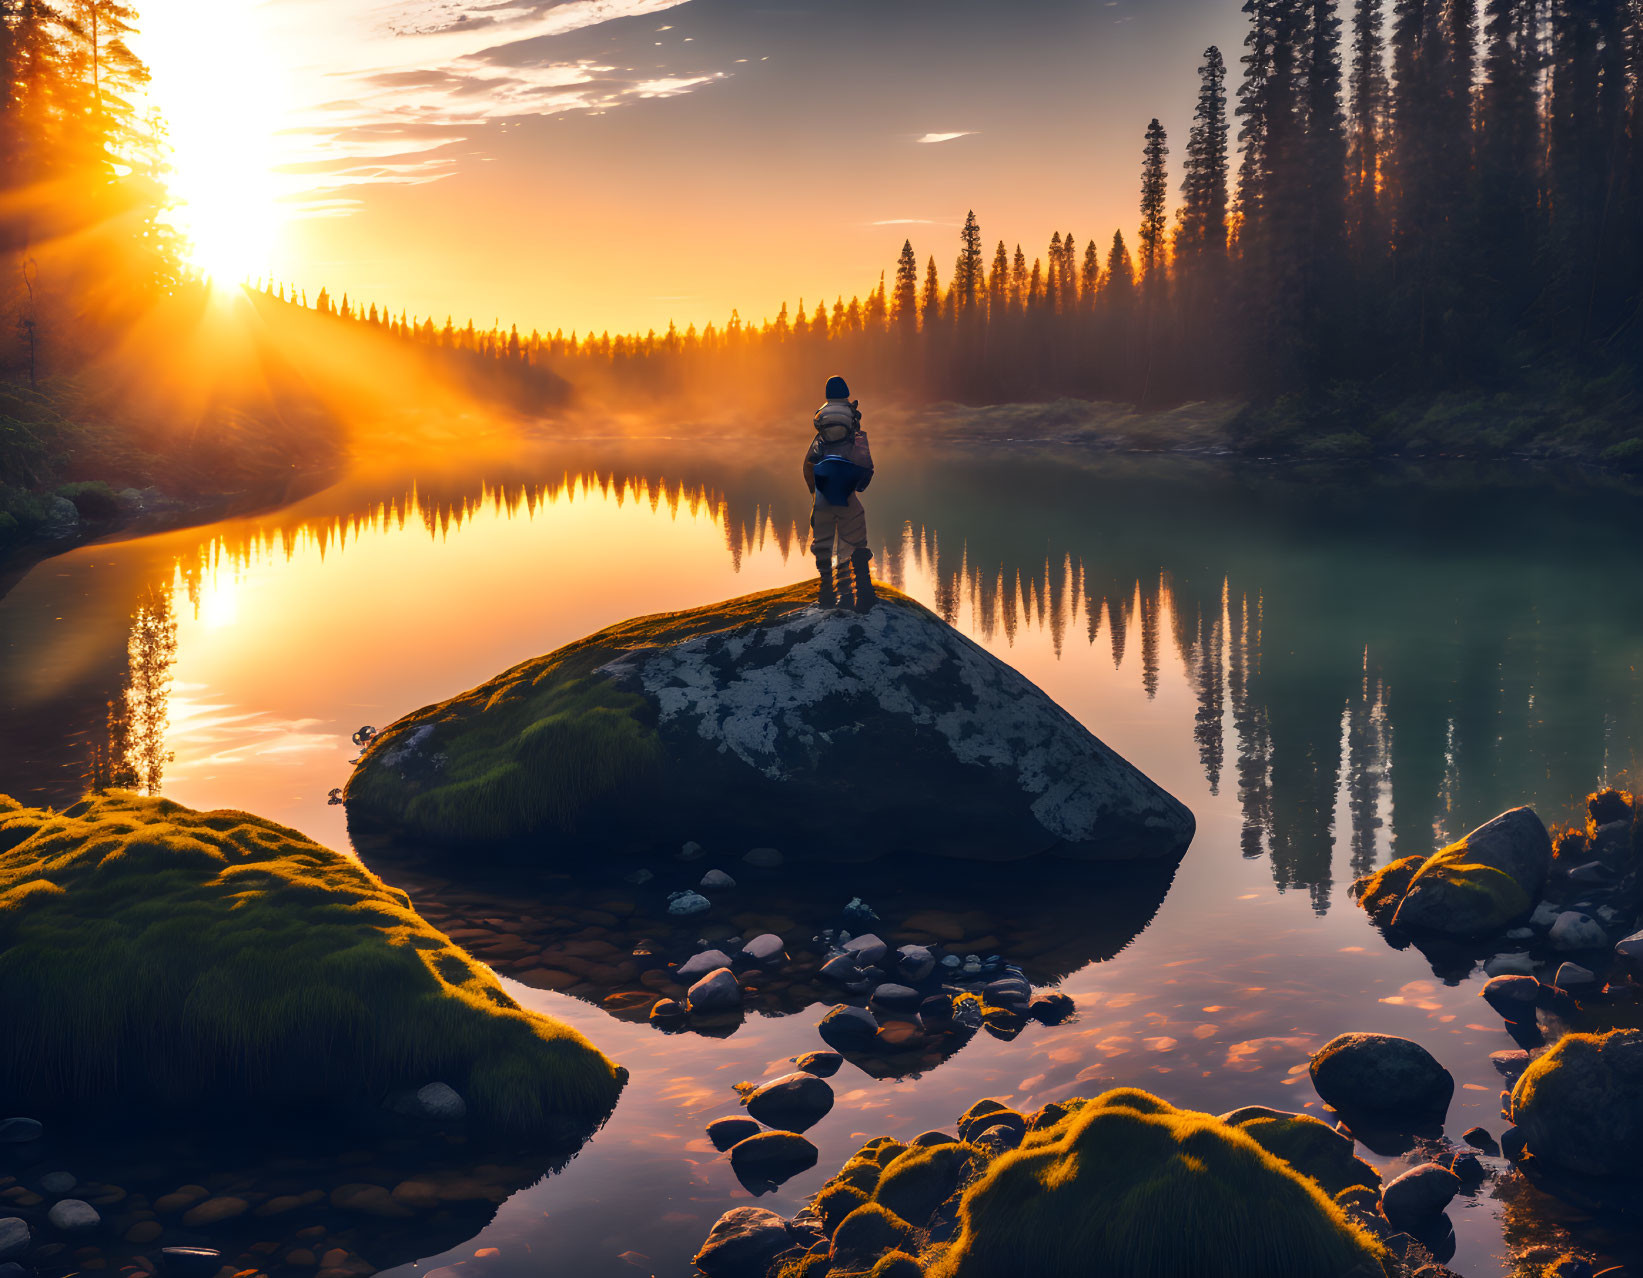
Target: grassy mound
1120	1184
1310	1147
528	752
158	954
1129	1184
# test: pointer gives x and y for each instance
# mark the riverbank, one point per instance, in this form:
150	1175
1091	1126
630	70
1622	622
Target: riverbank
75	467
1348	427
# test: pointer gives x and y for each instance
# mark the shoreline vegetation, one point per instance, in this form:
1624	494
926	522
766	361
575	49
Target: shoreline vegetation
164	959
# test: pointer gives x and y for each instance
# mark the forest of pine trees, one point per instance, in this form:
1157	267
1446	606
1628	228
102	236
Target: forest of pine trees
1436	201
83	244
1429	202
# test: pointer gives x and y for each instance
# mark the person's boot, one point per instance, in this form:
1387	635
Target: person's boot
842	575
826	596
861	561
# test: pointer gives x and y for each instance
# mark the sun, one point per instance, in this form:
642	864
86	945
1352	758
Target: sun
220	92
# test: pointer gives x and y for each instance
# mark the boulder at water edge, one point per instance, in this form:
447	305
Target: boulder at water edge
1123	1183
1579	1107
162	957
851	737
1473	887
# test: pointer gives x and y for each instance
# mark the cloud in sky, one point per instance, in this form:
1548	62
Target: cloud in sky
395	95
948	137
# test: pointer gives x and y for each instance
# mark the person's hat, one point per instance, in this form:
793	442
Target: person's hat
837	388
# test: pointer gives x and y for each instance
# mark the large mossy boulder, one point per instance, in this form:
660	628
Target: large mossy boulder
846	737
1474	887
1579	1107
1128	1184
161	957
1123	1183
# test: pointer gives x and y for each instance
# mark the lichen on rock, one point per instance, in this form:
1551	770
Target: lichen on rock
851	736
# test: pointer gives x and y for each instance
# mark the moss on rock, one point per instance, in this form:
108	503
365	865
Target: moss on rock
1123	1183
868	1233
155	953
1382	892
1311	1147
1129	1184
737	714
1579	1106
919	1180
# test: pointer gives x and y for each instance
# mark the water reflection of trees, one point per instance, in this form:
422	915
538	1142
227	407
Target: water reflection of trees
133	756
1373	664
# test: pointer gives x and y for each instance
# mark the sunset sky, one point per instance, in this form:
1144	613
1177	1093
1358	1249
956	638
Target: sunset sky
617	163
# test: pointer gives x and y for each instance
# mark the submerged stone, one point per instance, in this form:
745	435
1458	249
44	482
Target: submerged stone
735	716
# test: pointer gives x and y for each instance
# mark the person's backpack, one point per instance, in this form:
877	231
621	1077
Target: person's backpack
835	472
836	426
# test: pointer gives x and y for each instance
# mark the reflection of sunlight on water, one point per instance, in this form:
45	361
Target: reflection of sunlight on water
1235	694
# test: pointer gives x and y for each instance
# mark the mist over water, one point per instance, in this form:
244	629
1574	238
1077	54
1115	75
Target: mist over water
1328	674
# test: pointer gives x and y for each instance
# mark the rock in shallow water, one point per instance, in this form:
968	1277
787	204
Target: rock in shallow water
1482	882
698	966
1382	1076
765	1161
686	904
765	948
14	1237
794	1102
1579	1106
716	992
1577	930
1419	1194
16	1131
1512	996
741	1243
866	950
71	1215
725	1132
821	1064
848	1028
952	750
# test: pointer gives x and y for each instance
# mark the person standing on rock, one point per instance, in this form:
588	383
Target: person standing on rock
837	466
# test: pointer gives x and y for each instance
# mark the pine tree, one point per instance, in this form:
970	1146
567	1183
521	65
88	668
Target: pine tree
968	273
930	301
904	301
998	283
1204	194
1154	194
1092	273
116	73
1052	274
1019	291
1120	283
1366	127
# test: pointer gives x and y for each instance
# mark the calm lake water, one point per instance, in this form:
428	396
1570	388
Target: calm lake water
1328	673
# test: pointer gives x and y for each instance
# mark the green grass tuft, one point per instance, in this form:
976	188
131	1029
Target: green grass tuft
157	954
